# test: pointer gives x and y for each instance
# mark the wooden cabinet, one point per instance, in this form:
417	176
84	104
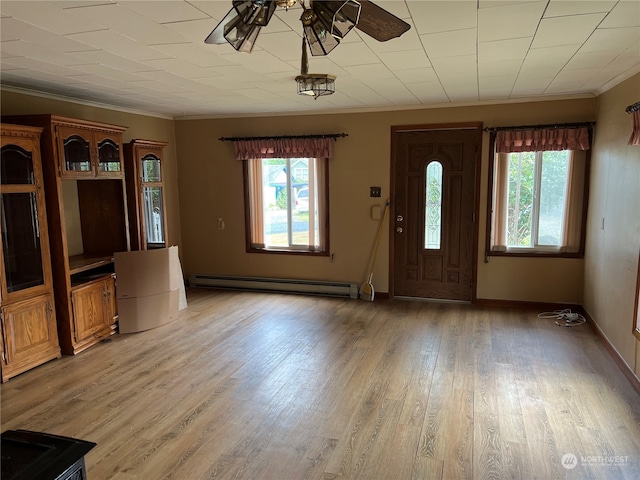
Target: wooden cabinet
27	316
84	179
93	309
89	152
146	194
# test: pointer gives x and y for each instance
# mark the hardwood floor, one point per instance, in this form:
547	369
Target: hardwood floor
270	386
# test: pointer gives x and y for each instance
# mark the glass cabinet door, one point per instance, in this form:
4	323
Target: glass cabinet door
21	245
109	156
152	201
77	154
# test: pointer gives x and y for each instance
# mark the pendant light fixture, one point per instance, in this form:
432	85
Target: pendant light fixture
313	84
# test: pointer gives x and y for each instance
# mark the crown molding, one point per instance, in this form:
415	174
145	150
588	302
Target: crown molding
86	103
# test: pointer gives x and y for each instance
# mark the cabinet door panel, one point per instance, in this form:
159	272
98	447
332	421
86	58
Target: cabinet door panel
30	331
88	310
75	151
109	156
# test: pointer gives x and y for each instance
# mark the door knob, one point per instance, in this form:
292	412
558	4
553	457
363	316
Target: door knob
399	218
399	229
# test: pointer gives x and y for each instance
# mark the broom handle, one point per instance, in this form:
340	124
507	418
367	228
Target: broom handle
375	250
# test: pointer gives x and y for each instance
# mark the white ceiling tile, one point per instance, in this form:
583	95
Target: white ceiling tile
563	87
165	11
428	92
350	54
71	4
196	54
505	68
542	62
48	17
407	60
193	30
108	72
180	67
493	93
577	75
283	45
40	66
118	44
501	50
624	14
128	23
566	30
501	81
13	28
590	59
216	9
562	8
455	66
450	44
417	75
442	16
261	62
395	7
110	60
509	21
612	39
372	72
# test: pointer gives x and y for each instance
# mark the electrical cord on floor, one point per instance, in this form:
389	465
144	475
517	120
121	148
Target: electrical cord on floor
564	318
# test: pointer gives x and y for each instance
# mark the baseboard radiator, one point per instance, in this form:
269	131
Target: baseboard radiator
309	287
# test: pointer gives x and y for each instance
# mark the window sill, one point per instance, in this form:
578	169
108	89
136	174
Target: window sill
534	254
283	251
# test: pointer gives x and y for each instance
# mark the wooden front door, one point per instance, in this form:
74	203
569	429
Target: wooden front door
434	205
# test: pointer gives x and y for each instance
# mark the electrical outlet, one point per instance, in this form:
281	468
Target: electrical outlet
375	191
220	223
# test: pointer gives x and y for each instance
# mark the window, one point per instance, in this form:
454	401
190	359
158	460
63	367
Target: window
433	206
537	196
287	205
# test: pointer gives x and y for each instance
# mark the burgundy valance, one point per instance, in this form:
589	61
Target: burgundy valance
542	139
284	148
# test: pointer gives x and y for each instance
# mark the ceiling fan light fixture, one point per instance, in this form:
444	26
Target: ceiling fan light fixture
241	36
345	16
313	84
316	84
286	4
255	12
316	25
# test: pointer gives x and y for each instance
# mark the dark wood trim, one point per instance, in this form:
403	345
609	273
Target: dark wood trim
542	306
476	215
615	355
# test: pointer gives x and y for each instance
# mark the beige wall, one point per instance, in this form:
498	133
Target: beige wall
211	187
611	261
139	126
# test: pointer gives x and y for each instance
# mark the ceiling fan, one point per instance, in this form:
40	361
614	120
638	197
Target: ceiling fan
324	22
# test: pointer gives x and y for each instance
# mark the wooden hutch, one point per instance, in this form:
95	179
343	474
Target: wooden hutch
87	211
27	315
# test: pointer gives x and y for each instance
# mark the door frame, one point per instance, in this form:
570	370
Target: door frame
395	130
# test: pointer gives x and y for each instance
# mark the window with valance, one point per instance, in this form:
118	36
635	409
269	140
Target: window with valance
538	191
286	194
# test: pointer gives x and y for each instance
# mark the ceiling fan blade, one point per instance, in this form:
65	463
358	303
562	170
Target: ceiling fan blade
379	23
216	37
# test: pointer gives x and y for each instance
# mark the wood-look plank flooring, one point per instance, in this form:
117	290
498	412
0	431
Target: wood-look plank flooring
272	386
